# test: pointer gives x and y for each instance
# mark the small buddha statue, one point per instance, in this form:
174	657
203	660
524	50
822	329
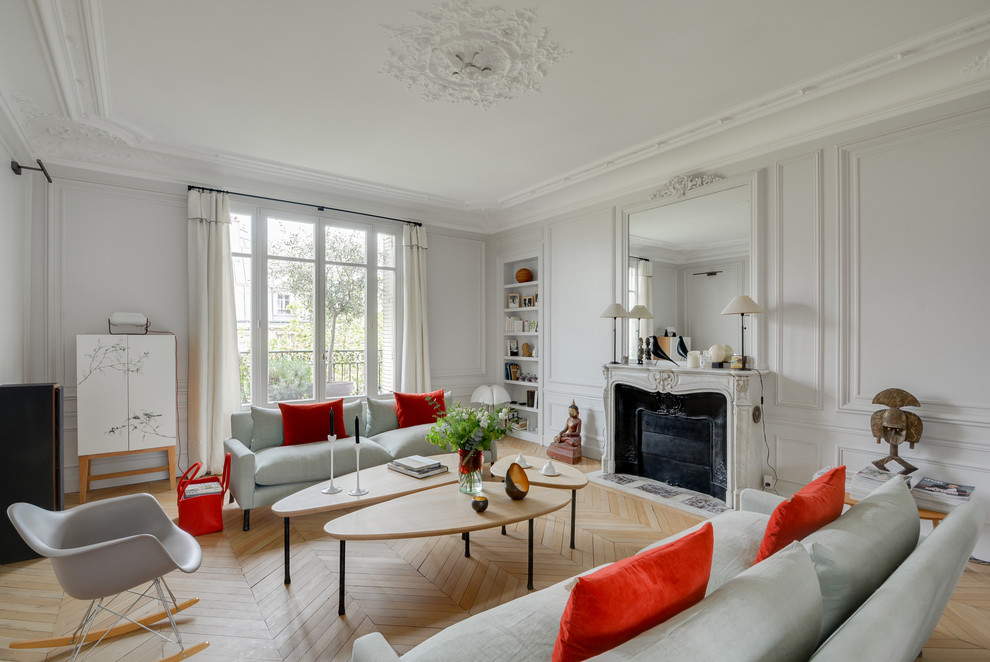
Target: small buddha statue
566	444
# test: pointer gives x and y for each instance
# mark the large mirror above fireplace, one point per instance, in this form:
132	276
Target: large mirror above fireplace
689	250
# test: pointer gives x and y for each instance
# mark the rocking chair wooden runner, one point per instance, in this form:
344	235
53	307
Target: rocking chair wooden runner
107	548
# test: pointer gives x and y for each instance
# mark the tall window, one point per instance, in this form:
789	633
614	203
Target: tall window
317	310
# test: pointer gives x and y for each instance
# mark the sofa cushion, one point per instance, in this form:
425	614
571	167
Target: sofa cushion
419	408
303	424
614	604
267	425
381	415
769	613
403	442
295	463
813	506
737	536
855	554
354	410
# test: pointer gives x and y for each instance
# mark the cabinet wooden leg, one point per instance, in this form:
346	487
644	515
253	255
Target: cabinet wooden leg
83	477
171	466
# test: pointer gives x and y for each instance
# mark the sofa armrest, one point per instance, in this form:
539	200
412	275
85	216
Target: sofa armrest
242	466
755	501
372	648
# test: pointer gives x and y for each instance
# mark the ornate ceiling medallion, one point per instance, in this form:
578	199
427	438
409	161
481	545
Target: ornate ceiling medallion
468	54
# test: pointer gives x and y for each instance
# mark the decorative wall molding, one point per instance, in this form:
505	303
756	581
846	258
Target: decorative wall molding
463	53
679	186
83	141
809	264
850	157
980	65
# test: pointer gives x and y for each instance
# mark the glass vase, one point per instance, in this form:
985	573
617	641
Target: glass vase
469	471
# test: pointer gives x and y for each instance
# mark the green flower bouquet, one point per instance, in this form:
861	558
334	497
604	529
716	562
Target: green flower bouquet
470	431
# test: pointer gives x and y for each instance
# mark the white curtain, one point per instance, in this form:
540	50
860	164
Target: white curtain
644	294
213	376
415	375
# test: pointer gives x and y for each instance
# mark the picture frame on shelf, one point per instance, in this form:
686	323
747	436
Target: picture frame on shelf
528	301
512	347
513	301
514	372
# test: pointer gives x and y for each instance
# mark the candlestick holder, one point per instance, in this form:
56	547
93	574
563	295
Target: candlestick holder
357	491
331	488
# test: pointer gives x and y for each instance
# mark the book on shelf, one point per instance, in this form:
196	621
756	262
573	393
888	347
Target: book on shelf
939	495
417	463
417	474
869	478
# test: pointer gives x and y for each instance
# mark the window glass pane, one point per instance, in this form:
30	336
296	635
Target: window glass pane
386	250
347	245
242	307
291	239
386	330
290	330
346	306
240	233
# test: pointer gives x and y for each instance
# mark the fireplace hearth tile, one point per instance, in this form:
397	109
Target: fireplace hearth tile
619	479
660	489
654	490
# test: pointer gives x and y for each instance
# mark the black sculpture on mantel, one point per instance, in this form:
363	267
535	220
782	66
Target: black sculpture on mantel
658	352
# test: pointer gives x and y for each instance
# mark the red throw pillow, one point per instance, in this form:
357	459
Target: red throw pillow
616	603
807	510
418	408
303	424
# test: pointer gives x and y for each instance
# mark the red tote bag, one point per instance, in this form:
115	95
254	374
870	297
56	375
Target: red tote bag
201	500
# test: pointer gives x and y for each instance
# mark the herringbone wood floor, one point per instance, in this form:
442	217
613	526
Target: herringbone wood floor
408	589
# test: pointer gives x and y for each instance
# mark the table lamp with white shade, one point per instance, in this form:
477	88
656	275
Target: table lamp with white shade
742	305
615	311
490	395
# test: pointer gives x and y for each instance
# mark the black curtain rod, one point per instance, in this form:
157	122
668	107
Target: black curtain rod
305	204
644	259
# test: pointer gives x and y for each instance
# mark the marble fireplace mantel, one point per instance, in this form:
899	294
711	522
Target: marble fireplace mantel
742	390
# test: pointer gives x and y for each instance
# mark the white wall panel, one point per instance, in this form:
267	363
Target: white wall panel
798	364
915	224
14	223
456	301
580	260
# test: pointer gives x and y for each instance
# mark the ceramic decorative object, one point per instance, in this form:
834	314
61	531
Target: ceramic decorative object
516	482
549	470
717	353
479	504
524	275
521	461
469	472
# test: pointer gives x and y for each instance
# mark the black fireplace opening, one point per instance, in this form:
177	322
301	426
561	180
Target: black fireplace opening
677	439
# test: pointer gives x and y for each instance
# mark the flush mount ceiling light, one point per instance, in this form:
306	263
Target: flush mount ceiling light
463	53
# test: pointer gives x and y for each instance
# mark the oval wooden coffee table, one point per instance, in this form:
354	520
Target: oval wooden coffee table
568	478
381	482
440	512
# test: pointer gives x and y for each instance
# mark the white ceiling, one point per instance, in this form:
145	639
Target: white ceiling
296	86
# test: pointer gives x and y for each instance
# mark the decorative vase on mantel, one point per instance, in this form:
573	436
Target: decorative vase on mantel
469	471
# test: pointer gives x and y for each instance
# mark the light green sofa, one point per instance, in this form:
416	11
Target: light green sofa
262	470
859	588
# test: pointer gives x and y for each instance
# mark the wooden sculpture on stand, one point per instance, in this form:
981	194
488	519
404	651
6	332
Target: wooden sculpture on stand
896	426
566	446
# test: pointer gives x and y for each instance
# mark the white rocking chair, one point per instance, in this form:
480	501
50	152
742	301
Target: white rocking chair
106	548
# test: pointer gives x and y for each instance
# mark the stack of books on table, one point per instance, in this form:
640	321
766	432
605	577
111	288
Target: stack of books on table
939	495
418	466
869	478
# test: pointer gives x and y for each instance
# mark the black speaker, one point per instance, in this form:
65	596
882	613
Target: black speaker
31	452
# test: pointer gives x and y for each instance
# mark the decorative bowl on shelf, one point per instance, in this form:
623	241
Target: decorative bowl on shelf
524	275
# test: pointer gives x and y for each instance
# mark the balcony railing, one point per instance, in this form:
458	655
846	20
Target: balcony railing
290	373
